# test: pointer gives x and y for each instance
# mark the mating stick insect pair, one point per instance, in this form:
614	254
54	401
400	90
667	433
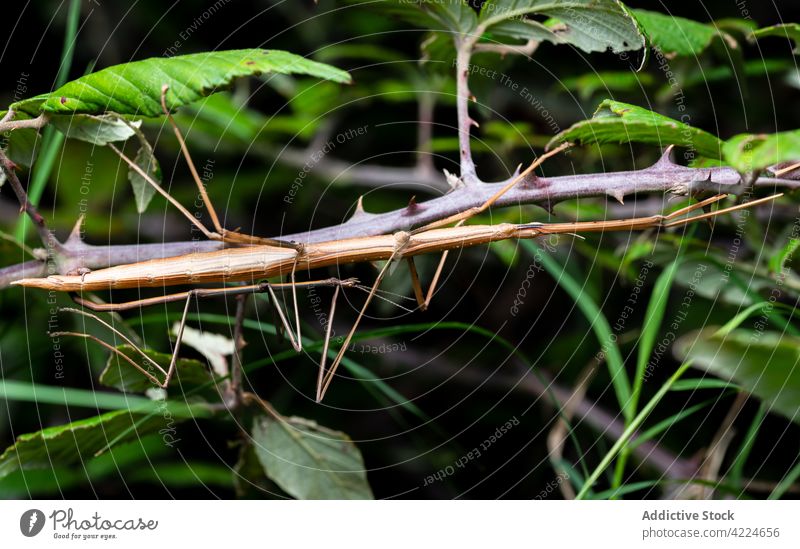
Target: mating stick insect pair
252	260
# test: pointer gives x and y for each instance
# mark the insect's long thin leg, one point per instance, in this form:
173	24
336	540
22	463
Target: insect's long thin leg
721	211
179	337
639	223
415	283
114	350
340	355
471	212
324	358
696	206
461	217
206	292
201	293
296	345
295	336
188	157
153	183
116	332
435	279
226	235
294	302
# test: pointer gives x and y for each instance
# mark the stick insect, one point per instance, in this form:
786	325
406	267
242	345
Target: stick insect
252	260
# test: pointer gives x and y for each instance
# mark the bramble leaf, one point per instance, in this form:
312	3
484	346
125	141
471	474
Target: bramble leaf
788	30
616	122
120	374
67	444
765	364
98	130
135	88
676	35
591	25
143	191
749	152
309	461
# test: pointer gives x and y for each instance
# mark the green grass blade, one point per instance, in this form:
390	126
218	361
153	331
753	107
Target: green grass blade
598	322
631	429
66	396
737	468
52	140
786	482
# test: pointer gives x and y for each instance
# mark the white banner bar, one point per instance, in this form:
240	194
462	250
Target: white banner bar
399	524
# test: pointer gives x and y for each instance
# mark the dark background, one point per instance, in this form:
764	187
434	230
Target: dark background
466	386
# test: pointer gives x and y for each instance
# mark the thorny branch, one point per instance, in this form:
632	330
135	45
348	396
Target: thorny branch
663	177
46	236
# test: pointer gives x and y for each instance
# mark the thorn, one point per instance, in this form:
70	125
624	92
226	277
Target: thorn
360	212
412	207
619	196
473	98
517	171
453	180
473	122
549	207
75	233
666	159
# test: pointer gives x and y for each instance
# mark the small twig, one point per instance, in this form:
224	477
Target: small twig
426	103
464	45
239	343
45	235
559	433
715	453
8	124
527	49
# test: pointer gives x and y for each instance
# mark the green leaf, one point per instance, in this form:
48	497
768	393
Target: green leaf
135	88
249	479
452	15
778	261
22	147
653	318
309	461
749	152
120	374
616	122
745	27
598	321
143	191
676	35
99	130
591	25
764	364
788	30
72	443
